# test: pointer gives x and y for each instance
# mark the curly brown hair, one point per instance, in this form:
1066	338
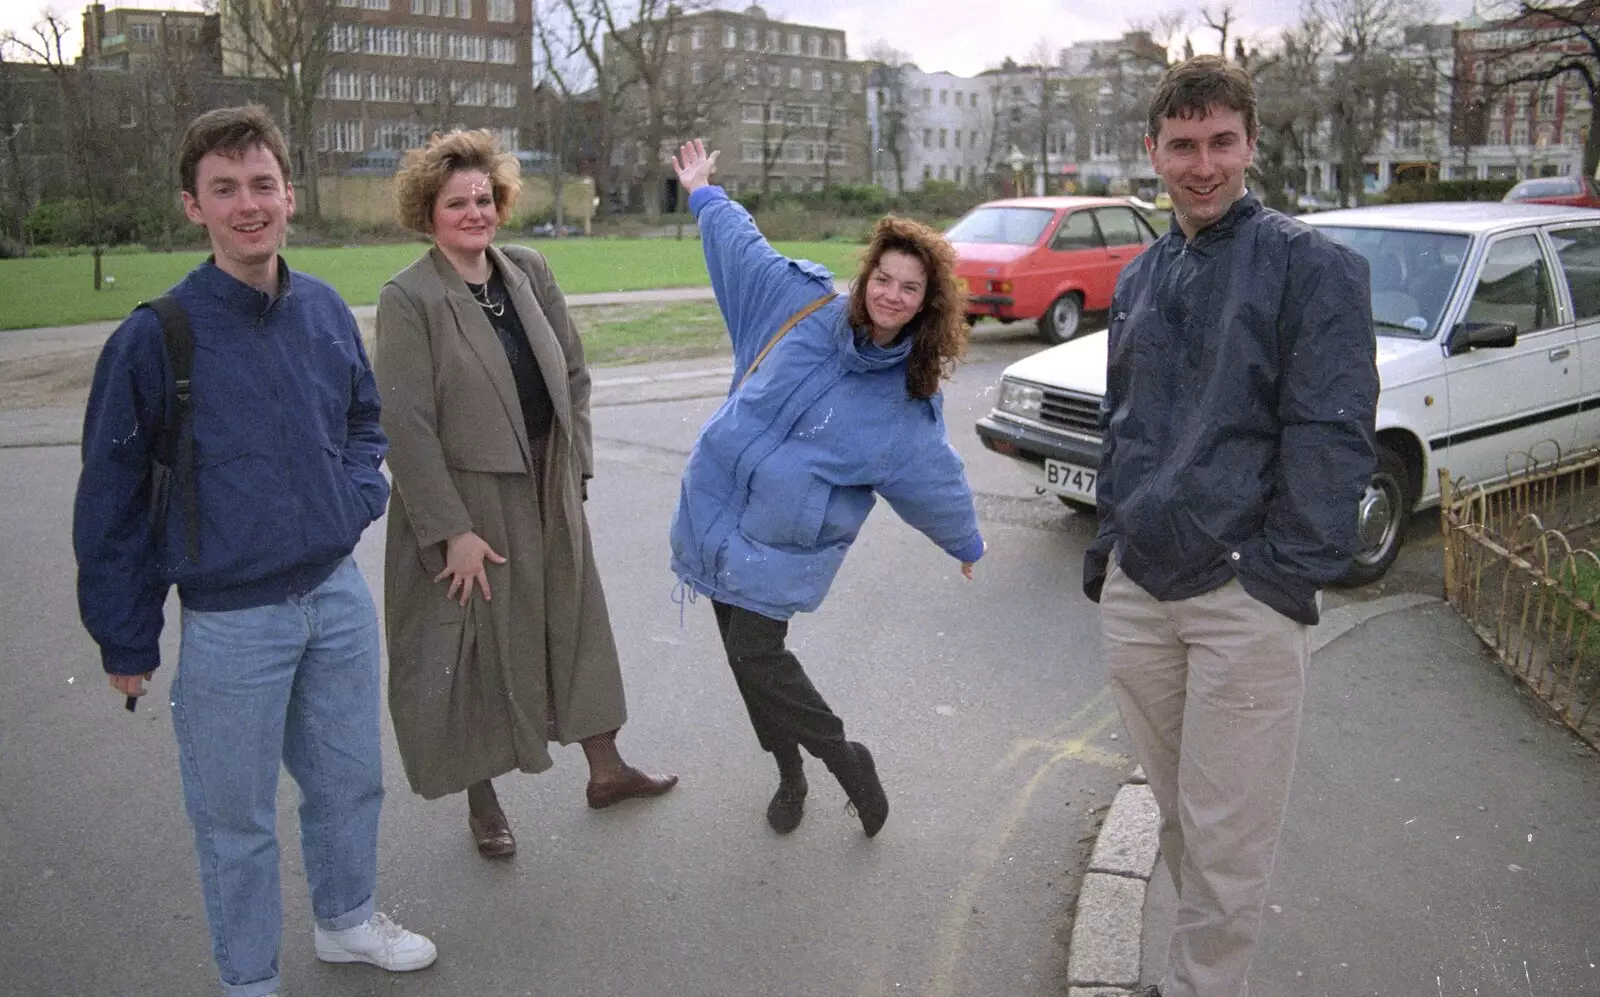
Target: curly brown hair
939	329
425	171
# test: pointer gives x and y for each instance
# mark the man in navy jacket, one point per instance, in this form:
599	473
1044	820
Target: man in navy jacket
1241	393
278	660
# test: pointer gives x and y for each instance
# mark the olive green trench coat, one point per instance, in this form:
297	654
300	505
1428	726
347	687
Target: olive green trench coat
477	692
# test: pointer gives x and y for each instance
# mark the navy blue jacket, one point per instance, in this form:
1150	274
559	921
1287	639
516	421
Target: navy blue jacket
1238	420
287	454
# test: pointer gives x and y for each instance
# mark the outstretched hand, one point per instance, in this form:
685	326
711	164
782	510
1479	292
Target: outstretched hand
693	166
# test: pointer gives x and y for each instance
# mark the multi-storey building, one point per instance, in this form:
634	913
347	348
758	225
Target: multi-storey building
130	38
1502	128
401	69
782	101
940	124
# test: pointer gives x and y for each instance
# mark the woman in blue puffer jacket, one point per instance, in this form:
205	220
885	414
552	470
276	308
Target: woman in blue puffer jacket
835	401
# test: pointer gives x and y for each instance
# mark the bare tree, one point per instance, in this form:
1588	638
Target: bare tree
15	189
290	42
1372	85
777	126
1289	112
1220	21
562	72
1546	43
890	88
47	44
1046	101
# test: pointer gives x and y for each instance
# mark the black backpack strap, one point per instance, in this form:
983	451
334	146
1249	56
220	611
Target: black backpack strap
177	444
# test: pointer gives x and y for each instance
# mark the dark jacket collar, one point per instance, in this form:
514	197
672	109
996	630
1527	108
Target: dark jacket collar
235	293
1241	209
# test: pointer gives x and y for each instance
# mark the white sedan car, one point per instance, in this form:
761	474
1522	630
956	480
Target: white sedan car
1488	335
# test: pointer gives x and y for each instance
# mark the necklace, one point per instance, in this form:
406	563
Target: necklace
493	307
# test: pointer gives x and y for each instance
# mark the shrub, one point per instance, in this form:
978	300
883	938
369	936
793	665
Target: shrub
1447	190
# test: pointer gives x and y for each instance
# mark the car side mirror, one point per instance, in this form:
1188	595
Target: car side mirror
1467	336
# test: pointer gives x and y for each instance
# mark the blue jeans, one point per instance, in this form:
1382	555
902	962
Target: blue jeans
296	681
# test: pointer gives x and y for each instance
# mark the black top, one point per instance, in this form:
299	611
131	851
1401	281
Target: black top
537	410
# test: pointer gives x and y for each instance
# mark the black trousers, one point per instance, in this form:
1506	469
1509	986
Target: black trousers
785	708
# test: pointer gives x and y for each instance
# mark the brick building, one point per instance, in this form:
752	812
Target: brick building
401	69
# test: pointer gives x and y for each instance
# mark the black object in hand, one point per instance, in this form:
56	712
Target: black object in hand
132	703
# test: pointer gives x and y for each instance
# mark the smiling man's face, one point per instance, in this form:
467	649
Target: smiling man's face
1202	160
244	203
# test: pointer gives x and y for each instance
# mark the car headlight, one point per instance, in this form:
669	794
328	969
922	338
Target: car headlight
1022	400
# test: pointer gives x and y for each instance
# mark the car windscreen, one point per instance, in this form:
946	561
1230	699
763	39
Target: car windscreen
1412	274
1549	187
1010	226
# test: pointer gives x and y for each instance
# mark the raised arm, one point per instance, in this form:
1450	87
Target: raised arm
757	288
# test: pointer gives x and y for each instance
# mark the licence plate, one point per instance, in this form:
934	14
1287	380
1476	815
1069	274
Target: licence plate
1070	479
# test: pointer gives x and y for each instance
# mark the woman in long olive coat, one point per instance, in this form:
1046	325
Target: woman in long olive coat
480	680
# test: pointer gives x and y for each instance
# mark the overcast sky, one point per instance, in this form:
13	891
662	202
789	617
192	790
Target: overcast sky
959	36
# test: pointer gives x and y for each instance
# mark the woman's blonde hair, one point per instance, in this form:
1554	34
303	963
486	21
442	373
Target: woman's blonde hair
425	171
939	329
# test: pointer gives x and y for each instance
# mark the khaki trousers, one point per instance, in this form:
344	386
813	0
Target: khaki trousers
1210	691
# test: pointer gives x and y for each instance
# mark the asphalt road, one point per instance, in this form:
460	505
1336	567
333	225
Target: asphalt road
985	703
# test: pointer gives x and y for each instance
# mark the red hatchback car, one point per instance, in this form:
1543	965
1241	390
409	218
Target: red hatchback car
1575	190
1047	258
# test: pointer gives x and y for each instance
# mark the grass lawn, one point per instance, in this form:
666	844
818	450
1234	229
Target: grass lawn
614	335
59	290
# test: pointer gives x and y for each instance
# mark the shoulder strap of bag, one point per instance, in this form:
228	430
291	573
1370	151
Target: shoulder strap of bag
794	320
175	451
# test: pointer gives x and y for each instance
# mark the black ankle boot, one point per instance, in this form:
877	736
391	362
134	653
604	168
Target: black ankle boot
852	765
789	802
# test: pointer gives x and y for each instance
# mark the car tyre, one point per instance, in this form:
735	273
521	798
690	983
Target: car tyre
1062	320
1385	507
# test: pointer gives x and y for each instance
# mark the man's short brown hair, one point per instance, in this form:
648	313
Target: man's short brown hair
1194	86
232	131
425	171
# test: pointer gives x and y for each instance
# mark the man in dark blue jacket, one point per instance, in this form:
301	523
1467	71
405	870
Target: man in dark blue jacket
1241	393
279	654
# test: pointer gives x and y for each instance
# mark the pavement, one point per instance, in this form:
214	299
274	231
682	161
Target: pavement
1440	840
1441	833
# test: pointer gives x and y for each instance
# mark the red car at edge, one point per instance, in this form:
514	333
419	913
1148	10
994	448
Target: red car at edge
1052	259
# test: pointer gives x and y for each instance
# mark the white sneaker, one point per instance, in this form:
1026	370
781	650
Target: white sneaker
379	942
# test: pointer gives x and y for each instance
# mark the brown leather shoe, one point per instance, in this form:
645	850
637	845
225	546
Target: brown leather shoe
633	784
493	834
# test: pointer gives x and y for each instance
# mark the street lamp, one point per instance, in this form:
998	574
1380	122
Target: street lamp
1016	159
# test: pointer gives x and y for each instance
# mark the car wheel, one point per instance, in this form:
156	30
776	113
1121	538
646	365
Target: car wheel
1079	506
1384	510
1061	320
973	320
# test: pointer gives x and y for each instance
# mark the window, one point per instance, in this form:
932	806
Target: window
374	4
750	152
697	73
752	74
140	32
816	79
927	172
730	71
1513	287
339	136
503	51
958	169
835	48
774	76
943	172
672	43
1547	104
958	98
1120	227
502	95
855	82
464	9
795	78
814	46
957	137
730	37
750	114
944	97
942	137
1579	252
503	10
794	43
927	138
927	96
1076	232
343	86
448	8
419	7
697	38
427	44
772	39
750	39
